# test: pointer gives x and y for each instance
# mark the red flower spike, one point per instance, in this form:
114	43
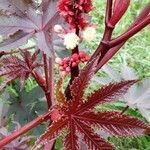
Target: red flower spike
68	62
73	11
120	7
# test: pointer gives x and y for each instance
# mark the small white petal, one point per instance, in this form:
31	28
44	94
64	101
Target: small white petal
58	28
71	40
89	34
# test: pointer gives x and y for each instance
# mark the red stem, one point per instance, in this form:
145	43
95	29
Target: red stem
40	80
74	70
47	91
114	50
108	11
102	48
45	69
51	80
130	33
24	129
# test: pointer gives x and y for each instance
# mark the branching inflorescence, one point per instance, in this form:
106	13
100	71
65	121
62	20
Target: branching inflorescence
71	109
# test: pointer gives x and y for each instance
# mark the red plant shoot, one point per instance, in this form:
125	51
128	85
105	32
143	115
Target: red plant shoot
68	108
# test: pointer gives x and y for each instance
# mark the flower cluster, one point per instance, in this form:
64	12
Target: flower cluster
71	39
67	63
73	12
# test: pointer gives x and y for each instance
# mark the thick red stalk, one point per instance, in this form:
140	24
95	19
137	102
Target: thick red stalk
108	11
47	91
130	33
45	69
40	80
107	33
24	129
51	80
114	50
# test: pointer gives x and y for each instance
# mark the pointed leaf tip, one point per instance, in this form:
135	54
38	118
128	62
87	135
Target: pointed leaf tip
81	82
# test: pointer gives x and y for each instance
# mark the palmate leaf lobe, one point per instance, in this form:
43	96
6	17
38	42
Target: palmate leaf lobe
79	117
54	130
81	82
106	94
71	139
13	67
23	16
115	123
92	140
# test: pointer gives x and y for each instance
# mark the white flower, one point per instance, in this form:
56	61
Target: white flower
39	2
89	33
71	40
58	28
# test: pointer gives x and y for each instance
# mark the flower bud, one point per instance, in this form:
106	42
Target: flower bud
89	33
58	28
58	61
68	69
75	57
74	64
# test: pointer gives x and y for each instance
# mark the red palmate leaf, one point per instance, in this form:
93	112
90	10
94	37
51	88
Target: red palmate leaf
12	68
82	121
24	20
79	119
